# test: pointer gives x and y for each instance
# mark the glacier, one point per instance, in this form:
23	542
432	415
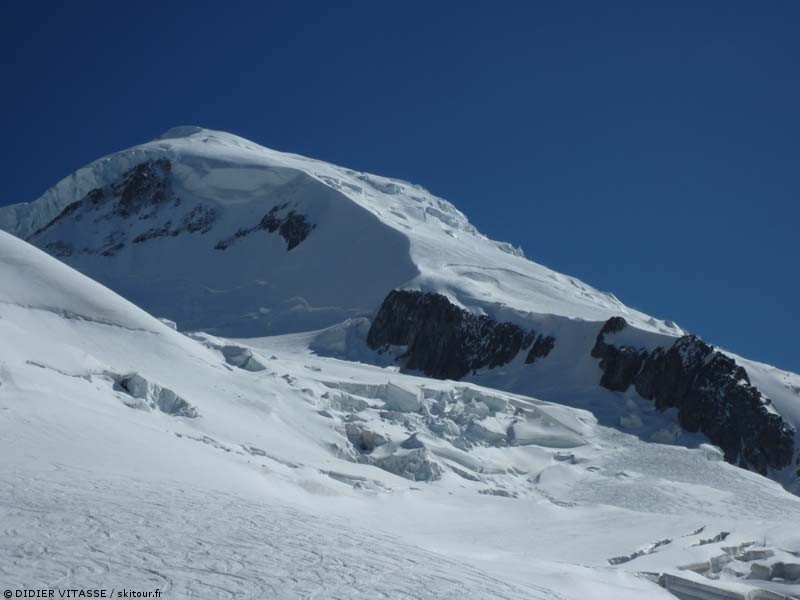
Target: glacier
262	447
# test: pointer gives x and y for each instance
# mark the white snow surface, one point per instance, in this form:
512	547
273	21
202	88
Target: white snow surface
281	466
372	234
262	493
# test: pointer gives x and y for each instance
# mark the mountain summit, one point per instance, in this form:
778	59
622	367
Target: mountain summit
262	242
222	235
363	396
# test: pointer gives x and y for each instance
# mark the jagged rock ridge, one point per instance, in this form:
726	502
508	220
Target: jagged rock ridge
292	226
141	192
141	195
712	393
445	341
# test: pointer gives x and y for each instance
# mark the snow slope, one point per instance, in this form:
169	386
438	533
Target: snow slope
372	234
260	489
220	234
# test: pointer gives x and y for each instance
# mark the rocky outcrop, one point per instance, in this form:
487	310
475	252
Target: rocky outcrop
59	249
291	225
200	219
131	203
620	364
448	342
613	325
164	230
713	396
541	347
140	191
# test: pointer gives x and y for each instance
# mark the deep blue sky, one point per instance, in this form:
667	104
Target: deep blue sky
650	149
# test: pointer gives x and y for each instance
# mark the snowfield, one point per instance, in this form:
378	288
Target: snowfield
190	402
135	456
216	233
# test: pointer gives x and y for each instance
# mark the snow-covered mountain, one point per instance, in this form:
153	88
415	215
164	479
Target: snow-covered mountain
136	457
225	236
367	391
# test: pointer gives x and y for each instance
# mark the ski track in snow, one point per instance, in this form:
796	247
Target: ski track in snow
192	543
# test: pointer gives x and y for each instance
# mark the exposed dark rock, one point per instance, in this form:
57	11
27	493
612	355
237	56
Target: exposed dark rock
498	492
140	192
60	249
68	210
95	196
620	366
712	393
143	188
613	325
541	348
164	230
200	219
295	229
292	227
443	340
111	244
720	537
112	249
